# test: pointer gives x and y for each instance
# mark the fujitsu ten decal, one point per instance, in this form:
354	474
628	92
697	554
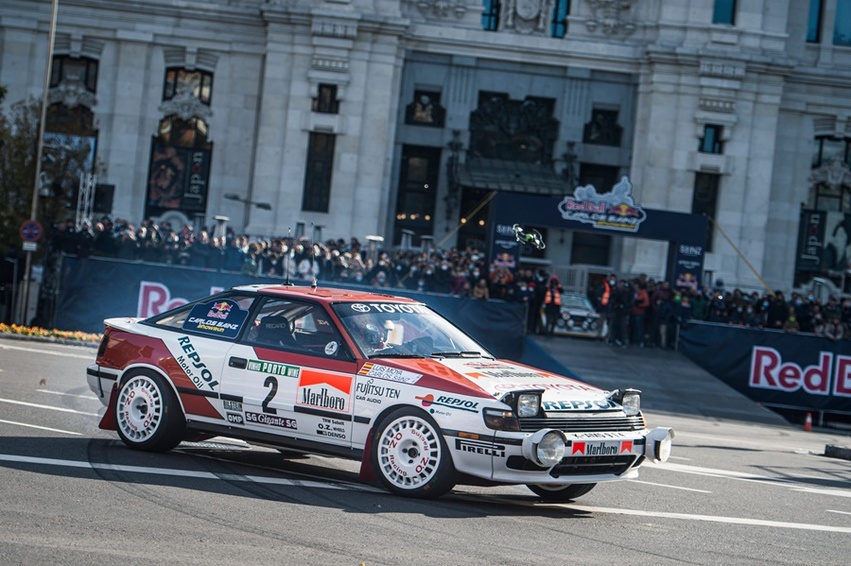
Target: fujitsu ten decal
828	376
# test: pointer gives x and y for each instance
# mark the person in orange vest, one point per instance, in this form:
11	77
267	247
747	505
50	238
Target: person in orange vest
552	303
605	299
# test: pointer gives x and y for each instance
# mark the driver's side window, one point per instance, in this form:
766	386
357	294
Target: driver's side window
296	326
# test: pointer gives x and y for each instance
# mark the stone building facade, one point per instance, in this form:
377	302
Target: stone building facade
397	118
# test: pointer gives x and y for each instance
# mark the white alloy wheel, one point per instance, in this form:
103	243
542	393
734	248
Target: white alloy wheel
148	415
411	457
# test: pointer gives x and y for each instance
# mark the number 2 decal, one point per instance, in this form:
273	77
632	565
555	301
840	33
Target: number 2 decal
272	382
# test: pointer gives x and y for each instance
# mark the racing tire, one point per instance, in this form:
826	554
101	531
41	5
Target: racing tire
410	456
561	493
147	414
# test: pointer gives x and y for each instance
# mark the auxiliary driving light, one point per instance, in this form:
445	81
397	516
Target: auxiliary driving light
659	443
546	447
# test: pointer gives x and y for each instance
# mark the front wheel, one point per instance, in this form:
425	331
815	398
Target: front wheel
560	493
411	456
148	415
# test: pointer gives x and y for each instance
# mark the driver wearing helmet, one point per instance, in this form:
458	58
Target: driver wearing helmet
372	336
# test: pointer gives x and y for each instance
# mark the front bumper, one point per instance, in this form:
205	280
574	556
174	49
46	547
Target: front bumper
588	457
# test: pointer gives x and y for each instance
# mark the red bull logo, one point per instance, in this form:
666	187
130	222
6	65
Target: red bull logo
220	310
615	210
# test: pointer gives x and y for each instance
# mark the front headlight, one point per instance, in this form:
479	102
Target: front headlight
631	402
528	404
499	419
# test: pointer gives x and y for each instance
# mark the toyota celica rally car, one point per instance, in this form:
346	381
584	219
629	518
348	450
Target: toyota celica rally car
380	379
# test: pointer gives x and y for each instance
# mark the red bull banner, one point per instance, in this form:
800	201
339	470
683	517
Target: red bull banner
614	212
802	371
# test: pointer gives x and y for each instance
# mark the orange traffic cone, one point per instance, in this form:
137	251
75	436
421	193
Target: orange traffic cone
808	423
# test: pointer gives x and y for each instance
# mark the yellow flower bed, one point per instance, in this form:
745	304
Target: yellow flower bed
37	332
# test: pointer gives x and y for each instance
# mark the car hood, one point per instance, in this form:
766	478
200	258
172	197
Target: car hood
498	377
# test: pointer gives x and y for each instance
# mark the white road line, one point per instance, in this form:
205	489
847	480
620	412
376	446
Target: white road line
37	406
181	473
670	486
840	512
41	427
92	397
64	354
707	518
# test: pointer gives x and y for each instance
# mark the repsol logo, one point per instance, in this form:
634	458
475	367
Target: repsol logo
194	367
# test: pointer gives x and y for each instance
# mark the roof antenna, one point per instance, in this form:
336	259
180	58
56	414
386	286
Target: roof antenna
287	258
313	265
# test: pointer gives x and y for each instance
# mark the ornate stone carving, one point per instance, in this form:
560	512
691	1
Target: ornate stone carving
335	28
441	8
611	16
718	105
722	69
185	106
527	16
833	174
72	94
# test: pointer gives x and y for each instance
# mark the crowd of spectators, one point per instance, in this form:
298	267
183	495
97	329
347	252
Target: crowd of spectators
640	311
643	312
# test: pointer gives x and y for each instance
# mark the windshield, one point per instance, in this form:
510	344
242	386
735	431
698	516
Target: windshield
404	330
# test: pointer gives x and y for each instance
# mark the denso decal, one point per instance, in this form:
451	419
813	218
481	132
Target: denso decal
478	447
391	374
322	390
451	402
194	368
591	405
331	429
273	368
767	371
601	448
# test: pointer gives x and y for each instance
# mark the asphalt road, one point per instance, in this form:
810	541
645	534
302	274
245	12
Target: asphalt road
742	487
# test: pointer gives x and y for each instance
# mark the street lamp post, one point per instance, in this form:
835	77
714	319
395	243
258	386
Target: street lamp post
39	151
246	204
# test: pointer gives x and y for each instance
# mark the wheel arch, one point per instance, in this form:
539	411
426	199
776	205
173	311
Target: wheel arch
107	422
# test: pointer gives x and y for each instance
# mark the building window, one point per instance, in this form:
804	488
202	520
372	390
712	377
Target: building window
326	100
80	70
417	192
425	110
197	83
490	15
842	28
711	140
814	22
558	27
826	147
724	12
705	201
317	175
603	129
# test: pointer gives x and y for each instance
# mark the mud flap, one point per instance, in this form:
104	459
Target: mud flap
367	471
108	420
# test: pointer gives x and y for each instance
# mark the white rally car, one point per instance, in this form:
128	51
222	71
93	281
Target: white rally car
380	379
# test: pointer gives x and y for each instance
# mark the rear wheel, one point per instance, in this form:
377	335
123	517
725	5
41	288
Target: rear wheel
148	415
410	455
561	493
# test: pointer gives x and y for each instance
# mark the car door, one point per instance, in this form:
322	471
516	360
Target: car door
291	375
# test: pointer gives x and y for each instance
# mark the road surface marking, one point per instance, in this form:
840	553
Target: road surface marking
37	406
92	397
50	352
707	518
41	427
670	486
181	473
840	512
